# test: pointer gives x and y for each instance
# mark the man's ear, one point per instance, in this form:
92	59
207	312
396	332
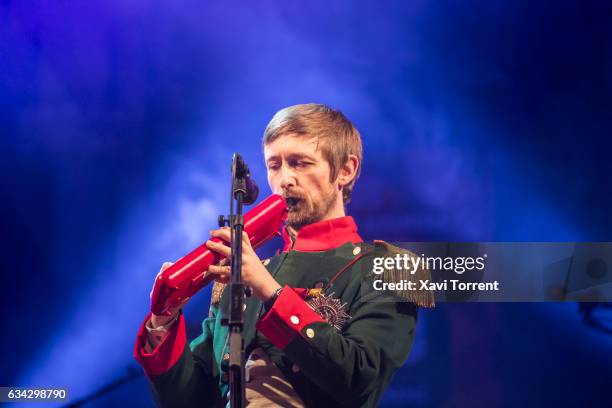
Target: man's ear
348	171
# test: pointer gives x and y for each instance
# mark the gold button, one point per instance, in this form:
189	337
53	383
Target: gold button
295	368
356	250
266	262
295	320
310	333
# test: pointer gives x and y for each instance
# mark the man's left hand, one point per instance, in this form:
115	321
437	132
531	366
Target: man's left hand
254	274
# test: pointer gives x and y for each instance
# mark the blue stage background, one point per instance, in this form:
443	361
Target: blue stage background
483	121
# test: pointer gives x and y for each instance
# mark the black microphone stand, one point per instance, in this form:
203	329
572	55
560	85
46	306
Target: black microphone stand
237	290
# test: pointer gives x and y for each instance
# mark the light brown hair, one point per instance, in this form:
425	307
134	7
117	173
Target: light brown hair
336	135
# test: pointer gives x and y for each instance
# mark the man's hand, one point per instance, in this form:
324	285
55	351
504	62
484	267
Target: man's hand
254	274
156	320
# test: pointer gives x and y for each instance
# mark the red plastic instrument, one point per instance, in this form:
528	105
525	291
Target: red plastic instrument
189	274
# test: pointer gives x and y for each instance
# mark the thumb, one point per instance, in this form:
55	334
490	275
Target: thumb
164	266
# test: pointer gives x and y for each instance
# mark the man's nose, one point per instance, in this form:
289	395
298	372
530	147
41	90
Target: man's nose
287	179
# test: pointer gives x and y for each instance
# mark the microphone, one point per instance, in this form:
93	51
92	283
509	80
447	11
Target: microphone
241	174
189	274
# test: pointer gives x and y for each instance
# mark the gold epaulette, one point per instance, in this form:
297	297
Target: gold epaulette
217	292
421	297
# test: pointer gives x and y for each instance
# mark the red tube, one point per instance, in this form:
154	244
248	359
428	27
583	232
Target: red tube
189	274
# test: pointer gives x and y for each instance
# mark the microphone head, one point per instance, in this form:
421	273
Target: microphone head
241	171
252	191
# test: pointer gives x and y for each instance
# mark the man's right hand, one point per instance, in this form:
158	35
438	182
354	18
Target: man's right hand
157	320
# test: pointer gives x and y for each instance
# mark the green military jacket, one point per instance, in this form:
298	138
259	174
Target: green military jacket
347	367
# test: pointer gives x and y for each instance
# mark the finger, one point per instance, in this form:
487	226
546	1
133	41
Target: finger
223	233
219	248
178	307
183	303
165	266
219	270
245	238
223	262
246	243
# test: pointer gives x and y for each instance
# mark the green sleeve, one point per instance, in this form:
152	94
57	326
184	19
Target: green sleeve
362	358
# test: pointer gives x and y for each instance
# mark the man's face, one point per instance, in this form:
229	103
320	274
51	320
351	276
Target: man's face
298	171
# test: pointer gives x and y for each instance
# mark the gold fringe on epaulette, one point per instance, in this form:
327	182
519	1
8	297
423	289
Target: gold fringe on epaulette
422	298
217	292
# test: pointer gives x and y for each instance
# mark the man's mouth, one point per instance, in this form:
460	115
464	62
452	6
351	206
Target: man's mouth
292	202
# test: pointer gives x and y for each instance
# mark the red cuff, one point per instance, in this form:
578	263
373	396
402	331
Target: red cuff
287	317
166	354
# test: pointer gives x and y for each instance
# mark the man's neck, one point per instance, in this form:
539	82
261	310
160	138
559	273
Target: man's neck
322	235
293	230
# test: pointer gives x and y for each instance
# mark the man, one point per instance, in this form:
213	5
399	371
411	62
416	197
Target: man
316	333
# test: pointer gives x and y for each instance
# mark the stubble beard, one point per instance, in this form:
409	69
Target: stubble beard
306	211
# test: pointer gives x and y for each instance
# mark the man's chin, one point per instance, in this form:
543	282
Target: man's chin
295	223
297	220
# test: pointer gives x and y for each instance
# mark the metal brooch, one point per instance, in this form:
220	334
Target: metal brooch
329	308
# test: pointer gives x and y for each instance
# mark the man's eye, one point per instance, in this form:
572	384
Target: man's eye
302	164
273	166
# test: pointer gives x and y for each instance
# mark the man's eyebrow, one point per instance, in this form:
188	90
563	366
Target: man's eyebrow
292	156
298	156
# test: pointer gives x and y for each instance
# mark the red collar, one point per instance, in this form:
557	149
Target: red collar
323	235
